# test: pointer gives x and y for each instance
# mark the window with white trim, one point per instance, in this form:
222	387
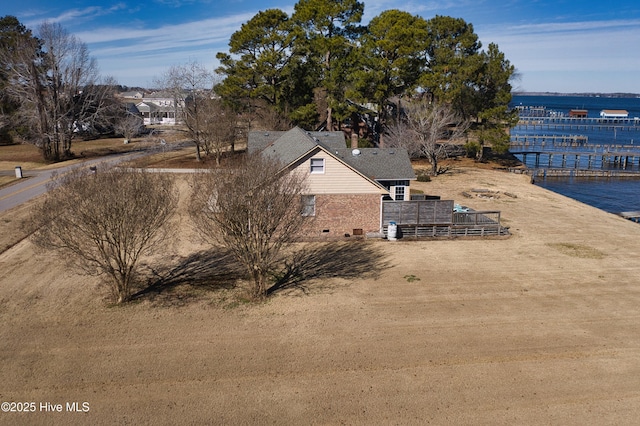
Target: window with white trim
317	165
399	193
308	205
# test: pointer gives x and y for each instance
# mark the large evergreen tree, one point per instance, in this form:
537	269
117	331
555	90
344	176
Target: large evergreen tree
452	60
330	27
392	58
265	48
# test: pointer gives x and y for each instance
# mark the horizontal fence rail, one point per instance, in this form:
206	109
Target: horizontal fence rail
436	218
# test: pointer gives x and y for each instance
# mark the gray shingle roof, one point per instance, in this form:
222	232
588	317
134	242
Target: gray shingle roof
375	163
290	146
258	141
379	163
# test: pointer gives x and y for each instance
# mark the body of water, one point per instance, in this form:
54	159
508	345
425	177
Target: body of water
610	194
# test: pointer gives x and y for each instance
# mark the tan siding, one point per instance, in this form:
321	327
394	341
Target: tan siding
336	179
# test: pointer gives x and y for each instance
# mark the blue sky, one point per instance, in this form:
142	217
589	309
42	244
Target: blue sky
556	46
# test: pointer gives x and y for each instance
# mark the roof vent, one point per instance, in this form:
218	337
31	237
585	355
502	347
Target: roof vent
355	152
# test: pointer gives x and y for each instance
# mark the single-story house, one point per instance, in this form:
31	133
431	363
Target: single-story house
578	113
614	113
345	187
132	95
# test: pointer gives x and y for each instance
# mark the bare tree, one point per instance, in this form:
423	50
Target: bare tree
104	223
128	124
268	118
55	81
219	127
428	129
191	85
253	210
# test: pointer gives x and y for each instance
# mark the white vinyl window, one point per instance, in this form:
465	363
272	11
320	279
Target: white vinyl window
399	193
317	165
308	205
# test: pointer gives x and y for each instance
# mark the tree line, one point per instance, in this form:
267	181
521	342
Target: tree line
320	67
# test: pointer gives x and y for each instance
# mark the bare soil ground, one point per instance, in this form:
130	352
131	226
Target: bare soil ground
539	328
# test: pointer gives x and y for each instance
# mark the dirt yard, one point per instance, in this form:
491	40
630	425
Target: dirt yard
542	327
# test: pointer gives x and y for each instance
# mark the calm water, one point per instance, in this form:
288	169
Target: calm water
612	195
609	194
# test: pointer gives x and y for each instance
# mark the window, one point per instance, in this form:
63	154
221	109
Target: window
399	193
317	165
308	205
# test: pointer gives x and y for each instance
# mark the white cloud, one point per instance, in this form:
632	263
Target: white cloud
76	15
607	50
134	56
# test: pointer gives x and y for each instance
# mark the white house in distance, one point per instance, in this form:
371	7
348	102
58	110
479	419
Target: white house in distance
160	108
132	95
614	113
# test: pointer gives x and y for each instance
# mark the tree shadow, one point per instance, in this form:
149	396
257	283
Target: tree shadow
187	278
330	260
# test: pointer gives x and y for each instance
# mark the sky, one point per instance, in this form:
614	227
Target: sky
566	46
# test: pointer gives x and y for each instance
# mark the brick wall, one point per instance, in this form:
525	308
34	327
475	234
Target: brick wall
340	214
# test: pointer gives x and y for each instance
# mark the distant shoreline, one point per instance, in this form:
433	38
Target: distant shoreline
602	95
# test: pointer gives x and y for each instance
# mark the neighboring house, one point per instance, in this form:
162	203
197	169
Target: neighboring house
157	114
578	113
161	108
345	187
614	113
131	108
132	95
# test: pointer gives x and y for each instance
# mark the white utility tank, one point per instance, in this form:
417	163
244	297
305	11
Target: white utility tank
392	231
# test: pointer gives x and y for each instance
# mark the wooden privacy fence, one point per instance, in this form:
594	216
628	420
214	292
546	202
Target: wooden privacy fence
436	218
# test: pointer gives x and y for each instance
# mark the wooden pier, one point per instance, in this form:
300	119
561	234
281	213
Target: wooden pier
554	140
633	216
557	172
619	160
580	123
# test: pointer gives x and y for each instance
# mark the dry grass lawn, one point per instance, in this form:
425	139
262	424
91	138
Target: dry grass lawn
539	328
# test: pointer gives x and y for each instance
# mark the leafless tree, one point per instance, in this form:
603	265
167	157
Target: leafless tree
4	121
128	125
254	210
191	85
219	127
55	81
105	222
428	129
267	117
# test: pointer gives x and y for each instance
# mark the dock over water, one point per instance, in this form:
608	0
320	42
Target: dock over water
633	216
583	157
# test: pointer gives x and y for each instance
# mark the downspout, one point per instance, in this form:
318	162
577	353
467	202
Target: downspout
381	226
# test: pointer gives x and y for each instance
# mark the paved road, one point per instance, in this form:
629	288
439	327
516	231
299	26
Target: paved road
34	182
